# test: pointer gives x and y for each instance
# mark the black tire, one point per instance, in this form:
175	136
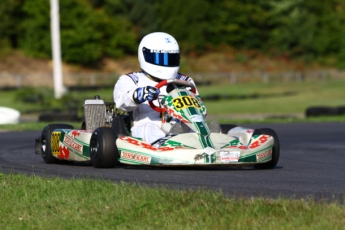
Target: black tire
103	149
231	126
46	149
83	126
275	150
341	110
321	111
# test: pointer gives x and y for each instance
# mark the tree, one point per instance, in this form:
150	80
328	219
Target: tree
310	28
10	18
87	35
142	14
244	24
190	22
35	39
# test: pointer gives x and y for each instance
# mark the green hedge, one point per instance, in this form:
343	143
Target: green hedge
95	29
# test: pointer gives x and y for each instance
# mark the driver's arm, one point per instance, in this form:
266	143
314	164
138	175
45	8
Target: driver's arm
123	94
128	96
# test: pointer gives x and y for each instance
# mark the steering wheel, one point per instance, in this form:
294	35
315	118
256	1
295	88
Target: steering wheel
173	81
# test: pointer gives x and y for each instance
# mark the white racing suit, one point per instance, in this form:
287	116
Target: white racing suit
147	123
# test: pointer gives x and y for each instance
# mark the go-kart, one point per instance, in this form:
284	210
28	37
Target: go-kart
104	138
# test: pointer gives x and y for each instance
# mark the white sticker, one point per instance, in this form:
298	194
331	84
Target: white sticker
196	118
226	156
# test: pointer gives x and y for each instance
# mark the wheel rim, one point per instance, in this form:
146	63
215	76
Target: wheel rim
43	145
94	148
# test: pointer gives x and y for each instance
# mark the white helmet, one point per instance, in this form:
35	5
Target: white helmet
159	55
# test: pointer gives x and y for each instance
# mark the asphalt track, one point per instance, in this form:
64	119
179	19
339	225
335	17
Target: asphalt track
311	165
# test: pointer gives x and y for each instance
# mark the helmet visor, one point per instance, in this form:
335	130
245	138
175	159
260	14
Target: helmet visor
170	58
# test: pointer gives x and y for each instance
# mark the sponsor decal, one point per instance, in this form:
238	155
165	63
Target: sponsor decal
75	133
165	149
78	132
207	157
254	145
165	51
232	144
226	156
176	115
199	156
250	131
263	155
148	146
74	145
131	140
145	145
183	77
176	145
136	157
186	102
196	118
55	142
64	153
261	140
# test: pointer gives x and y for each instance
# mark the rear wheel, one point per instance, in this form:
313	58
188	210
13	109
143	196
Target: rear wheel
46	138
275	150
231	126
103	149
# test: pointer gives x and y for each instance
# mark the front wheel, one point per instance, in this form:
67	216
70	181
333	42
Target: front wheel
275	150
103	149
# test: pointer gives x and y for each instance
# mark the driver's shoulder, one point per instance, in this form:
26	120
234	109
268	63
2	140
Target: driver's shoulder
184	77
135	76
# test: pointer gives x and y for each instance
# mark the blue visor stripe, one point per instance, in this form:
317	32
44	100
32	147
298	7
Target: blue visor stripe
157	58
165	59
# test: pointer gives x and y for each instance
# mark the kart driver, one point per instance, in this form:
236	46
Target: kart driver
159	58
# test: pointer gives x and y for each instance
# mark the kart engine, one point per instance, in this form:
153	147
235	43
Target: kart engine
98	113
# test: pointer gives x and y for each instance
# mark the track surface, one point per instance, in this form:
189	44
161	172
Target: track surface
311	165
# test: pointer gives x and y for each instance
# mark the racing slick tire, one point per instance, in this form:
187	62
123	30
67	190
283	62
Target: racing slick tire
318	111
46	149
103	149
275	150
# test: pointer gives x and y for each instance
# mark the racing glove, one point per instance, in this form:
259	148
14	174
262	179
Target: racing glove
147	93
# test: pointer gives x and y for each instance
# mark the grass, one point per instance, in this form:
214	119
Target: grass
33	126
31	202
273	98
226	120
35	100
